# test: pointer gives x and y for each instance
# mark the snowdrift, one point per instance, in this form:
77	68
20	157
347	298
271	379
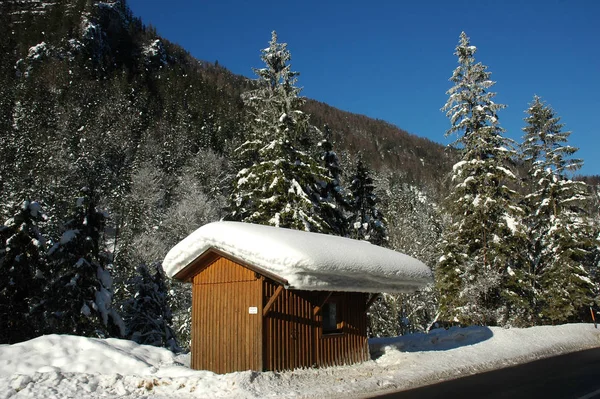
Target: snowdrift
64	366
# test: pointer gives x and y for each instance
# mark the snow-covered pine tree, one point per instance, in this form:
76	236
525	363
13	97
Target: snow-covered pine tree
367	222
414	221
384	317
279	184
147	314
477	274
79	293
335	201
594	256
22	272
392	315
560	233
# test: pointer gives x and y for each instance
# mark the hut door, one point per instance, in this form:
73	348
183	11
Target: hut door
288	328
227	319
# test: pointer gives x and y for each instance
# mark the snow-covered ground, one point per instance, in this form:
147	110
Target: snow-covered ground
65	366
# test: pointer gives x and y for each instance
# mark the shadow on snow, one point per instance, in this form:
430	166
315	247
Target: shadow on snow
437	340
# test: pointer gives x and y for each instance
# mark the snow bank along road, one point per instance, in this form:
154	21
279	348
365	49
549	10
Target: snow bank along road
75	367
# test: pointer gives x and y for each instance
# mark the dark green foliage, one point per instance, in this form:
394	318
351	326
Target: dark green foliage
147	314
279	181
565	289
484	235
366	220
562	237
385	317
78	294
335	202
280	190
401	314
22	274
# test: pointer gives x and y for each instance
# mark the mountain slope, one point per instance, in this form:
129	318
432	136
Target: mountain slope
107	42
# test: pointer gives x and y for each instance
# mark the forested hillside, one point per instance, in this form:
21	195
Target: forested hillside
116	144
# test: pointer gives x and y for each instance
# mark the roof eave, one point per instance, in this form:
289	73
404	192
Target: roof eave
209	256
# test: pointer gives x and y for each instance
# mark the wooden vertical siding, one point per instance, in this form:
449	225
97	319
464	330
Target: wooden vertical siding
351	344
288	329
225	336
293	335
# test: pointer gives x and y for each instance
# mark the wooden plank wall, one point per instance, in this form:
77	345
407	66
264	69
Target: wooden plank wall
351	346
293	334
288	330
225	337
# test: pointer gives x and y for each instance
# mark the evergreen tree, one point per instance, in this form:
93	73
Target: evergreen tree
279	184
561	235
147	314
415	225
79	294
385	317
414	221
392	315
335	202
478	274
22	272
367	221
594	256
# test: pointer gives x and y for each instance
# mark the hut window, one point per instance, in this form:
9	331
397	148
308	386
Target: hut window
330	318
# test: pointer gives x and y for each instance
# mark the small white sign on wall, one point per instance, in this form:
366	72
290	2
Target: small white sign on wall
253	310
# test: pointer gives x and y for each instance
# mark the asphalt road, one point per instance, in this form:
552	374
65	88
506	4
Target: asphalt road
574	375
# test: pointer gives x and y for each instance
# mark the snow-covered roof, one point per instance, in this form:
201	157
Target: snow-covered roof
302	260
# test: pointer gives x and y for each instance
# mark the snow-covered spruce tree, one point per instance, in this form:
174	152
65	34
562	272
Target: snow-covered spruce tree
594	256
279	183
147	314
335	201
414	221
79	292
560	234
22	274
366	220
384	317
478	273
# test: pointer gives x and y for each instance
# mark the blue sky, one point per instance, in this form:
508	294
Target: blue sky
391	60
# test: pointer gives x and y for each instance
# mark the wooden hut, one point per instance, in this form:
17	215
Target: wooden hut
267	298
